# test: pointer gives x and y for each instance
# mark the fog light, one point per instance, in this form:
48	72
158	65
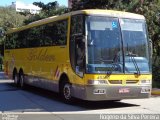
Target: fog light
145	90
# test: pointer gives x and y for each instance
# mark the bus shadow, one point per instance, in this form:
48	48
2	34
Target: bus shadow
104	105
48	101
56	104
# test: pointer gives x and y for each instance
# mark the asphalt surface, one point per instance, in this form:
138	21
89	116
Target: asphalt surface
38	104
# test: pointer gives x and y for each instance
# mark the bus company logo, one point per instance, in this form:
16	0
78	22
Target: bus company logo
124	90
40	55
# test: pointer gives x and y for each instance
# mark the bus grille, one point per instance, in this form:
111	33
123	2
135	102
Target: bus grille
120	81
131	81
115	81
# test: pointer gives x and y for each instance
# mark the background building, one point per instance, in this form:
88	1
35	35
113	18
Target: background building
21	7
13	5
69	3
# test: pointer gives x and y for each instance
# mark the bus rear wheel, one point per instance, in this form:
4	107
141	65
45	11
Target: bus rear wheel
16	79
66	92
21	80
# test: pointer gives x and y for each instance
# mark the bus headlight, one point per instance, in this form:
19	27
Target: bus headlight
97	82
145	81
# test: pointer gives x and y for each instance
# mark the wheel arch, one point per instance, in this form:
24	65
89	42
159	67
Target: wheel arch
21	71
63	77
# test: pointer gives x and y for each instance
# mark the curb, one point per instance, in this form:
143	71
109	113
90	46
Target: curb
155	92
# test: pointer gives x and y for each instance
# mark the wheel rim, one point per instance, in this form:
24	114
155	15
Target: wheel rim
21	80
67	91
16	79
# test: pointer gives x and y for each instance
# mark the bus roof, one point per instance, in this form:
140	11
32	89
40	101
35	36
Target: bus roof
100	12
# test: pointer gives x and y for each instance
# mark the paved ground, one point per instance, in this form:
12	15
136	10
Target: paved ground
155	91
38	100
2	76
38	104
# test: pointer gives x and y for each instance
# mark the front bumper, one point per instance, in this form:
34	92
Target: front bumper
103	92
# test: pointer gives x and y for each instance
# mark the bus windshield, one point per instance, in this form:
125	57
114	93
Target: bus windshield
116	45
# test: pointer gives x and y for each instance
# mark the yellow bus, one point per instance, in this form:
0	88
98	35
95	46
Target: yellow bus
92	55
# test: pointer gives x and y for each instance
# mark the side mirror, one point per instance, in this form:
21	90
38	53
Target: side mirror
151	47
79	36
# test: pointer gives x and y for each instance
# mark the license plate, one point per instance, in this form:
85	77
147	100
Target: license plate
145	90
124	90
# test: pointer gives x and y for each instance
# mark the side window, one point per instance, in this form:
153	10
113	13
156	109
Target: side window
77	24
7	42
33	37
77	44
62	32
16	40
48	34
56	33
11	41
21	39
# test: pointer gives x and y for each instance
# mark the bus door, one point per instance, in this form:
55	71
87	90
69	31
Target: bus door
77	44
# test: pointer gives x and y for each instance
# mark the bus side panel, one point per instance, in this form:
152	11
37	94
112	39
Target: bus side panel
41	66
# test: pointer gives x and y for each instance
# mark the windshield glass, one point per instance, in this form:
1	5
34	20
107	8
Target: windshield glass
135	45
103	43
116	45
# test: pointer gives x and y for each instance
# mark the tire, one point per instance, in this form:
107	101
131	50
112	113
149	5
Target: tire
66	92
16	79
21	80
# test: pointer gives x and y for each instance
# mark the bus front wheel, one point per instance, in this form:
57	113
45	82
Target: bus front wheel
66	92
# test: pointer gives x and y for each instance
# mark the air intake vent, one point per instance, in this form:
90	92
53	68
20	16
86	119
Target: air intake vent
115	81
131	81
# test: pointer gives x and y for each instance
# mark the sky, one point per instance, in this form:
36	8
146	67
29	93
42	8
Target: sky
9	2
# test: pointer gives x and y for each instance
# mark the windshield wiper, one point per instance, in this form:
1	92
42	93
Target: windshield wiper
113	65
135	63
111	70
